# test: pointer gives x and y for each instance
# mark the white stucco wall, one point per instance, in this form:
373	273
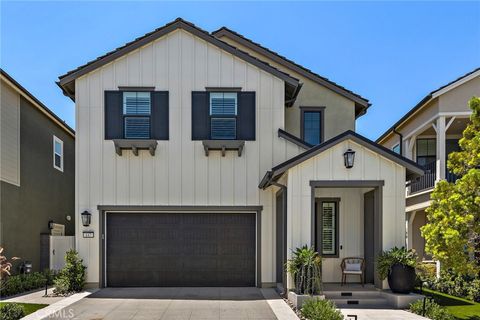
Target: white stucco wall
328	165
179	173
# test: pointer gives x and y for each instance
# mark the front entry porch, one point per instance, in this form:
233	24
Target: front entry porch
346	223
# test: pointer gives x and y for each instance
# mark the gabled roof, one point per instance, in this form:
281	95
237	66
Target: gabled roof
361	103
432	95
37	103
413	169
67	80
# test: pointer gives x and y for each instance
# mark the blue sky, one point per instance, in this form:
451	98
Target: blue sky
392	53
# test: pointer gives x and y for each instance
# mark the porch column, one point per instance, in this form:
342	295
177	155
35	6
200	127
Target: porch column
411	218
441	150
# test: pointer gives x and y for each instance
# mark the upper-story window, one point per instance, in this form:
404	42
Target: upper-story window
136	115
312	125
223	115
57	153
396	148
426	151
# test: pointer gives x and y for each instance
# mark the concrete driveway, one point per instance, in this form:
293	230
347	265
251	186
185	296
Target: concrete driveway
176	303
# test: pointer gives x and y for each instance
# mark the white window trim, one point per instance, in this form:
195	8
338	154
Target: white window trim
55	140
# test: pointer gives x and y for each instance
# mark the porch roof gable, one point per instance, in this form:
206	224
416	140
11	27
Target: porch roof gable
413	169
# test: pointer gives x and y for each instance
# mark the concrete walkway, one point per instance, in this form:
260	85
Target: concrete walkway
178	303
34	297
380	314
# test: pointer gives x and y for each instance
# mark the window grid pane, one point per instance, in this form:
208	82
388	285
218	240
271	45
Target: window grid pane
136	103
137	127
223	103
223	128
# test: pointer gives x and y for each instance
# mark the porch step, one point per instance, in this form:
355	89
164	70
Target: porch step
357	299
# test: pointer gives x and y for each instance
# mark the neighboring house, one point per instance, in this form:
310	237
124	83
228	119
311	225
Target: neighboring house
37	172
427	134
191	162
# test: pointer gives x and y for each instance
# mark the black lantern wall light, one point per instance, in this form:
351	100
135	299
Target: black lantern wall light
86	218
349	158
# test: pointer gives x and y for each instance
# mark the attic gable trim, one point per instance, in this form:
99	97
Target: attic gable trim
168	28
412	167
291	65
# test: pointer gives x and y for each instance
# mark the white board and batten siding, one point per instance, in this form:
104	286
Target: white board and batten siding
329	165
179	173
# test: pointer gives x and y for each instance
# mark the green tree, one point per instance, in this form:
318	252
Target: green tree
452	234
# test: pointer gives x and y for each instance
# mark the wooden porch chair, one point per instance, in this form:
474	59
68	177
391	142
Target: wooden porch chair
352	266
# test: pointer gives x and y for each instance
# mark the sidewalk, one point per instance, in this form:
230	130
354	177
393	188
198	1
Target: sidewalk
34	297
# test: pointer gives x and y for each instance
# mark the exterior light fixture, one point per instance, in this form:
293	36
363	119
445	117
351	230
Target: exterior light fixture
349	158
50	224
86	218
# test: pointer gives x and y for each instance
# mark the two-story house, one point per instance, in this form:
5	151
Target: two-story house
427	134
204	158
37	186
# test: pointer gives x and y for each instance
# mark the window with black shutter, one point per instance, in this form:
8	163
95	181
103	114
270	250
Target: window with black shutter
223	115
136	119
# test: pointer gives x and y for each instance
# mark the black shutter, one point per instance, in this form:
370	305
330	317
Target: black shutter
113	115
159	115
200	116
246	116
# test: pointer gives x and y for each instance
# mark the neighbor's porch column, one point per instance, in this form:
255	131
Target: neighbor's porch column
441	150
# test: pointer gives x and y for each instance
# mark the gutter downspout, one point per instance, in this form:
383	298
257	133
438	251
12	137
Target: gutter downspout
401	140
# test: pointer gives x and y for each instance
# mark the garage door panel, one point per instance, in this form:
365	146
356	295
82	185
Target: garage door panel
181	249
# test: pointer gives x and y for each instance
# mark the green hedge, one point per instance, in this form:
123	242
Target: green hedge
25	282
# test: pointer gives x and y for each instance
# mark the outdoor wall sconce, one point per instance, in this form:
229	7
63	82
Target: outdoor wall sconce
86	218
349	158
50	224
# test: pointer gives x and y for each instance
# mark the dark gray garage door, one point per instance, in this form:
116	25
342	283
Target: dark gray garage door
180	249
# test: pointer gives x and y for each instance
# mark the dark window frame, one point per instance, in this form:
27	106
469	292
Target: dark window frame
433	157
321	110
319	228
222	116
124	116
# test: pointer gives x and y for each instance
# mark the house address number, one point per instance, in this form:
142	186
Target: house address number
88	234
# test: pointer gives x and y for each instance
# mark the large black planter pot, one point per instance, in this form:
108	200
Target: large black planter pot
401	278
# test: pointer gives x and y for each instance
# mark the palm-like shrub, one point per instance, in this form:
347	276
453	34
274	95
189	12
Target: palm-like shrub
305	267
393	256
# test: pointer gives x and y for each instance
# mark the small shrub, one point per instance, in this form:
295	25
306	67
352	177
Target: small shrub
305	267
11	311
317	309
21	283
466	287
72	277
432	310
426	271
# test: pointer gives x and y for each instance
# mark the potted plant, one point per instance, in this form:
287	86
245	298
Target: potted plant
398	265
305	267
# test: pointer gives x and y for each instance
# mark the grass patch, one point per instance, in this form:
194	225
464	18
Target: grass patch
29	307
460	308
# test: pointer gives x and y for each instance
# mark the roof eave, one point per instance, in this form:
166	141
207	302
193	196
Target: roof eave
70	77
